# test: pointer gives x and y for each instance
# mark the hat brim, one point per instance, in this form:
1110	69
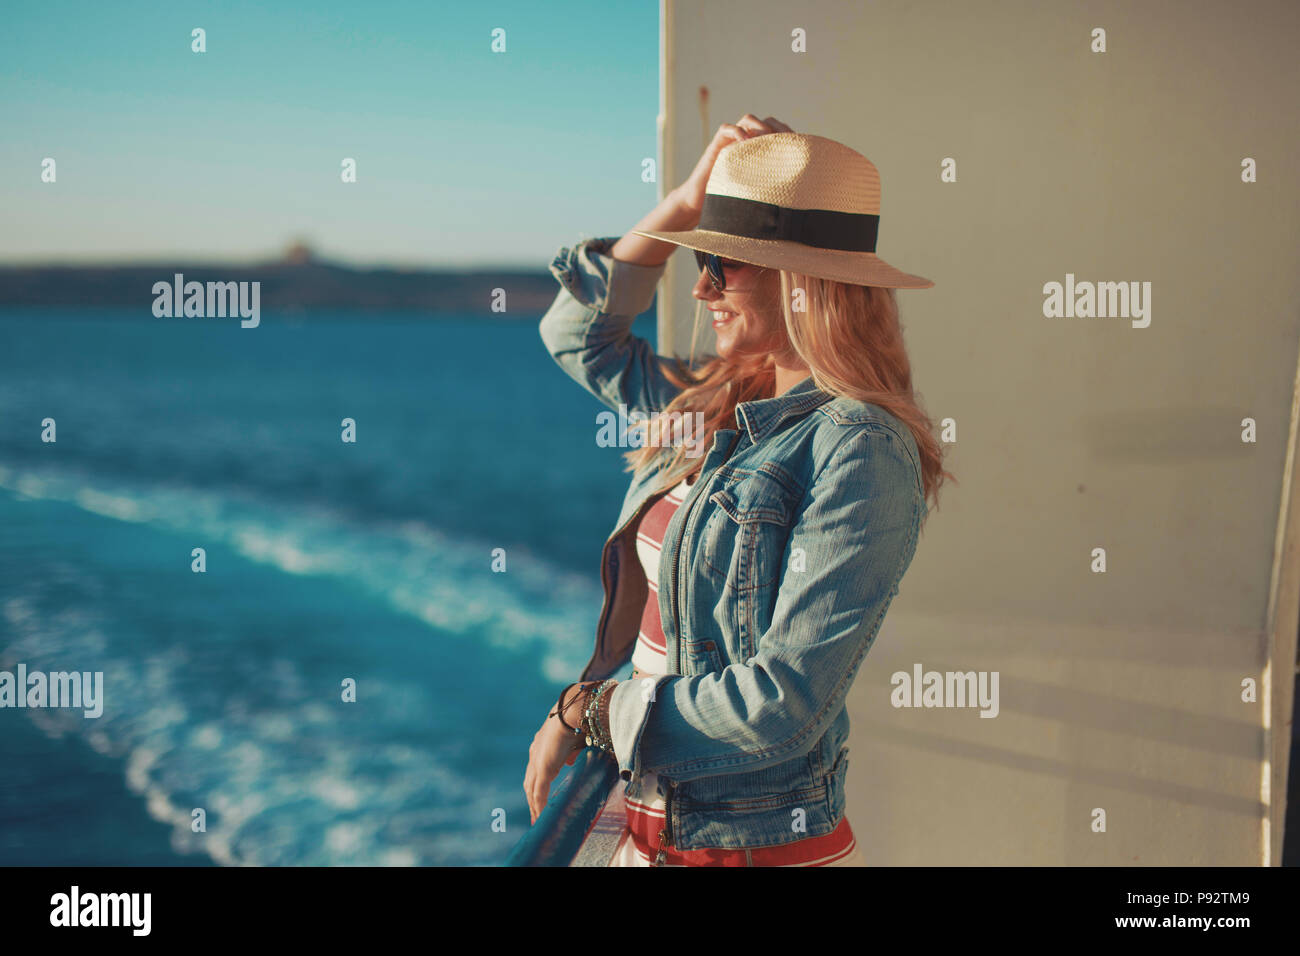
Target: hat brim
855	268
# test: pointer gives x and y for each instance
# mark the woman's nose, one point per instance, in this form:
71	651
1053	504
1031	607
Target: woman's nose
704	287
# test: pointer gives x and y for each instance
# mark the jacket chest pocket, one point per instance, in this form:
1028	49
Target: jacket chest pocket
744	539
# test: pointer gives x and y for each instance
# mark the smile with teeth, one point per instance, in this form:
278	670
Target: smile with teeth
722	318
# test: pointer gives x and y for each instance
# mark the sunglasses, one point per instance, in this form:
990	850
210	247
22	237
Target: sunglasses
716	266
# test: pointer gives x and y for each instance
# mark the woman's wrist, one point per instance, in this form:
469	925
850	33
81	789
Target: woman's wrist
674	213
589	714
595	720
679	199
576	705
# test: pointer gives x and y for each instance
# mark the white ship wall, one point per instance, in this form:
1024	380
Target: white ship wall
1120	693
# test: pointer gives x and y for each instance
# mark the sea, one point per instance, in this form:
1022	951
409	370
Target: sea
442	570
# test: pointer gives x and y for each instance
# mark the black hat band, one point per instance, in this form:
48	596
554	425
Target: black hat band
821	228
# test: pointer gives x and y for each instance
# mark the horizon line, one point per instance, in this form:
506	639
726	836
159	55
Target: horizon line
538	266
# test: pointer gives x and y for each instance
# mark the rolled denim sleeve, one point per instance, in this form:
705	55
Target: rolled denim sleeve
587	329
629	705
858	527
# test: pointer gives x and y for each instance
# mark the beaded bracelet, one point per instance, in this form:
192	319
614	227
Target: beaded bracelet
602	714
596	737
585	721
599	705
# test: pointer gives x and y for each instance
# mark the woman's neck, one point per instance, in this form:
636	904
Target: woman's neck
788	378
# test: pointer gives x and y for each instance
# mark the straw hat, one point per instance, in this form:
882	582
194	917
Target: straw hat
798	202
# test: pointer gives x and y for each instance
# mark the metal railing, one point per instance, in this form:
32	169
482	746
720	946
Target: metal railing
572	807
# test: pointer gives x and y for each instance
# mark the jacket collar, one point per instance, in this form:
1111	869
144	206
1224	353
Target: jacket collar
762	416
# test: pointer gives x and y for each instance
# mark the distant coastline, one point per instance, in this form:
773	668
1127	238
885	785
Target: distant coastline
297	281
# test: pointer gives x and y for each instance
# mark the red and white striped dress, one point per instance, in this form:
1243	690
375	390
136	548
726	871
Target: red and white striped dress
642	819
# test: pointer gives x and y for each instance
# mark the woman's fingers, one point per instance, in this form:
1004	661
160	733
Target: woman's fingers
729	131
538	789
754	126
539	798
747	126
536	798
545	757
528	784
531	776
759	127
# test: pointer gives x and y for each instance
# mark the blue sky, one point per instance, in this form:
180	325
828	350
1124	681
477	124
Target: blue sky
464	156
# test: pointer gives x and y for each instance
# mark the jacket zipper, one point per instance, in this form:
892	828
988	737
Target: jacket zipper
666	834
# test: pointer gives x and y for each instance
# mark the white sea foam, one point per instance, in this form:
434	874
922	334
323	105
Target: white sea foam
112	506
319	796
295	783
418	570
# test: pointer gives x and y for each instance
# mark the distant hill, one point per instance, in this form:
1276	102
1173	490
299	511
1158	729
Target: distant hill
297	282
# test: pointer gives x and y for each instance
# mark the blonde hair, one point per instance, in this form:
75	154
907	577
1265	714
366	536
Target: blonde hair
850	338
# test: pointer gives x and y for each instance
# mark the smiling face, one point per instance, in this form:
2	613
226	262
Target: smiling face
747	315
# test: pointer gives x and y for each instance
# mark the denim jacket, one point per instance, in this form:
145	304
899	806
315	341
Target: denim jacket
775	574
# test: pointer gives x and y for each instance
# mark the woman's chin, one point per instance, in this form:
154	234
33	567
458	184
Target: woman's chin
729	347
726	344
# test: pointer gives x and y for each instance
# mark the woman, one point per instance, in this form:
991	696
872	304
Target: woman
777	494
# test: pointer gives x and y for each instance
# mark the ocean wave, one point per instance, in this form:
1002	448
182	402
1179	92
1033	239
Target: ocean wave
296	785
286	778
445	581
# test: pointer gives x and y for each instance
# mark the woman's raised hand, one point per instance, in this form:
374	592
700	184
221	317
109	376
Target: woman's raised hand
680	209
691	193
